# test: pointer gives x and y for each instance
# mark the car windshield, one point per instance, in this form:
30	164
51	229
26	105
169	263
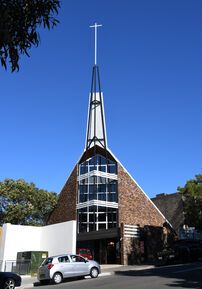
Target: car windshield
47	261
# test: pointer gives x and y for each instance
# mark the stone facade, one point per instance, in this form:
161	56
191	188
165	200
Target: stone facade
135	208
171	205
66	207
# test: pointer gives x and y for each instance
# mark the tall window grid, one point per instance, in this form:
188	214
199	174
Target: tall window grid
97	191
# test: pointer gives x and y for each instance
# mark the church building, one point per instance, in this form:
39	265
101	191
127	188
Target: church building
115	218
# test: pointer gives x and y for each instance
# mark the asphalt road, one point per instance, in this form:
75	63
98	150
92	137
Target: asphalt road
187	276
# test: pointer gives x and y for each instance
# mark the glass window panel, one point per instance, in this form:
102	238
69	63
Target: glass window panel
102	226
92	168
83	189
101	209
102	197
83	170
92	180
111	162
82	217
112	187
83	198
112	169
111	225
114	217
112	197
84	181
91	227
80	199
101	180
102	168
110	181
98	159
92	208
112	213
103	160
82	210
91	197
91	217
109	217
92	161
101	188
92	189
102	217
82	227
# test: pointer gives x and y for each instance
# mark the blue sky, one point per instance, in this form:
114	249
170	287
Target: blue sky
150	59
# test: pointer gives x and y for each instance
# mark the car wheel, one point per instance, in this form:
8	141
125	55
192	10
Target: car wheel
57	278
9	284
94	272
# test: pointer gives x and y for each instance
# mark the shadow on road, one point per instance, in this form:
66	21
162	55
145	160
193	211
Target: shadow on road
183	276
67	280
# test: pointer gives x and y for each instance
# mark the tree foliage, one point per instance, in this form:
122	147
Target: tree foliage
24	204
192	197
19	21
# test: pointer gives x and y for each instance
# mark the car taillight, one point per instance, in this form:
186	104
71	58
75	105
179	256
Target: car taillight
50	266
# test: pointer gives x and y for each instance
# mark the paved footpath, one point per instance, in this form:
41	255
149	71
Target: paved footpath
107	270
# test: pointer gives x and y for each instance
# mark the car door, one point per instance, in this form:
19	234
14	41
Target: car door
66	266
81	266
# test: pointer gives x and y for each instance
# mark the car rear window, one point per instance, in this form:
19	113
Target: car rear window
47	261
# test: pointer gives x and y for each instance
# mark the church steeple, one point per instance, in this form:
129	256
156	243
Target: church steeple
96	130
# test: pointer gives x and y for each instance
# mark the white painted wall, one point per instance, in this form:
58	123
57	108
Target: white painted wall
59	238
56	239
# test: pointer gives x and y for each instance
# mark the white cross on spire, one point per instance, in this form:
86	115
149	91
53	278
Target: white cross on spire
95	26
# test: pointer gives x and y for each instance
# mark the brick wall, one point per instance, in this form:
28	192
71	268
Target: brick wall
66	207
134	206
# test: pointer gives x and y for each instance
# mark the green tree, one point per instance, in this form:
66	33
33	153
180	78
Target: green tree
19	21
24	204
192	197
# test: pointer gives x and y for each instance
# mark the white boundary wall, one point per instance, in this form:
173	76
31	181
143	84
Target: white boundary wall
56	239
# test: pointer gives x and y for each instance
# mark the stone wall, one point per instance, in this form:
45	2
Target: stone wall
134	206
171	205
66	207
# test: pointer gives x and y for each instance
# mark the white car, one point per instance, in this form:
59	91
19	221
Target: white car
56	268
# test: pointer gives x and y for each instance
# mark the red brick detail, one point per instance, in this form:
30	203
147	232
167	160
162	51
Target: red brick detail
134	206
66	207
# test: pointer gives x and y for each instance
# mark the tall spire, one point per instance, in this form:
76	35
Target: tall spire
96	131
